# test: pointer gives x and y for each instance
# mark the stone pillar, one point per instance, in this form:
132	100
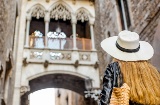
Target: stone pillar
27	30
47	20
91	23
74	22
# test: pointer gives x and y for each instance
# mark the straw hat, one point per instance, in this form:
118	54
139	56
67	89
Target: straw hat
127	47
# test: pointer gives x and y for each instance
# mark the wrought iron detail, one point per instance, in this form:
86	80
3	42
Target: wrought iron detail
93	94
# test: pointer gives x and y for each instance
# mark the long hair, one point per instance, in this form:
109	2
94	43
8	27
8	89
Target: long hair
143	80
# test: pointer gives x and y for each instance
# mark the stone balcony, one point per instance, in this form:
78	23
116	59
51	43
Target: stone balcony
55	56
81	62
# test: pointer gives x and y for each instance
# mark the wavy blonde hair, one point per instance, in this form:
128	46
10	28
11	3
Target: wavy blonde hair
143	80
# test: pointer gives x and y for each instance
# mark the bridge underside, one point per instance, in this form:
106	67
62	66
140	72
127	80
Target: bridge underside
64	81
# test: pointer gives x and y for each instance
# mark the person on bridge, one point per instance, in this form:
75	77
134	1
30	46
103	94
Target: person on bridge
132	57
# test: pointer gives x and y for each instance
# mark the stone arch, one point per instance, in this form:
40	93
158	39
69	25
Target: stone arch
60	10
83	14
37	11
58	80
65	80
56	72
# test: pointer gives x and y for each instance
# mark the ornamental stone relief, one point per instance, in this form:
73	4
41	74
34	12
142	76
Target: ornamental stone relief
60	56
36	55
60	12
38	12
84	57
82	15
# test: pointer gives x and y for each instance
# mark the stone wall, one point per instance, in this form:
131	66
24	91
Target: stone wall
7	27
142	13
144	16
105	26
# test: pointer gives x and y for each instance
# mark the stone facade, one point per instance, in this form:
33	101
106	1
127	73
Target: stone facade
144	17
7	31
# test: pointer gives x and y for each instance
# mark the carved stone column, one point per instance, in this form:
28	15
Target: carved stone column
27	30
47	20
91	23
74	22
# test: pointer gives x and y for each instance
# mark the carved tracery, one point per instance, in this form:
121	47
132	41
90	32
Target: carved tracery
60	12
82	15
38	12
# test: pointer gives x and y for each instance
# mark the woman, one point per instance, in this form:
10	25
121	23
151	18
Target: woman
132	56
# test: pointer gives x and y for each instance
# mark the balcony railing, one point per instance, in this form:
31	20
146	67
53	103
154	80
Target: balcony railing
60	43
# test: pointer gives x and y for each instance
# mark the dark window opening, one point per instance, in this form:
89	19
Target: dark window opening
65	26
83	29
37	24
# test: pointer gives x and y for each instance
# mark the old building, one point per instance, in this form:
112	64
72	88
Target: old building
7	32
56	44
139	16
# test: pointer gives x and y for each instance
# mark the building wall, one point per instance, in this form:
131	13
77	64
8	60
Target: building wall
67	97
7	31
35	68
144	16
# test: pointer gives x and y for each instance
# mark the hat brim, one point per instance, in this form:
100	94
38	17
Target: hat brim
145	52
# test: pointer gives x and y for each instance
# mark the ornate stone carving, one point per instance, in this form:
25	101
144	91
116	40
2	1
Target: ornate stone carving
84	57
46	63
24	61
60	56
24	89
82	15
38	12
36	55
60	12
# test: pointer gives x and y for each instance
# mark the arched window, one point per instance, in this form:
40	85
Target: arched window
83	29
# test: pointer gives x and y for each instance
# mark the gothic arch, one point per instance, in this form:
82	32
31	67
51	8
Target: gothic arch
57	80
60	10
83	14
37	11
31	77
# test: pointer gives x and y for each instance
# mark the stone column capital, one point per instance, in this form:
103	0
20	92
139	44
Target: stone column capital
28	17
74	21
47	16
91	21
